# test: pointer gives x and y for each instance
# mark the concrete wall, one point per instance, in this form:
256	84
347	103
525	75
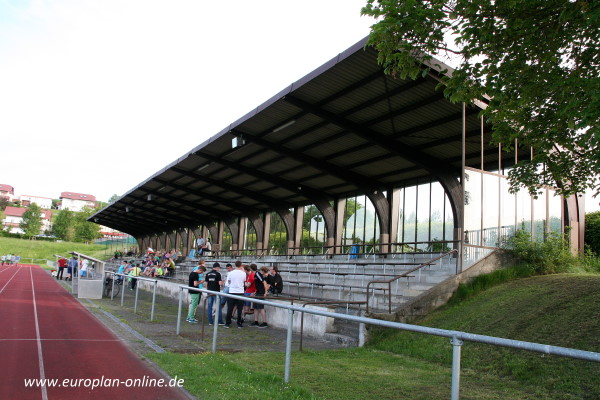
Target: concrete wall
439	295
90	288
314	325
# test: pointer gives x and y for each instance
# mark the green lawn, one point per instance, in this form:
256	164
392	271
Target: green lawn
43	250
561	310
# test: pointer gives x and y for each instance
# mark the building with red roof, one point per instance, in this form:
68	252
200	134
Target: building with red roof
13	216
76	201
7	191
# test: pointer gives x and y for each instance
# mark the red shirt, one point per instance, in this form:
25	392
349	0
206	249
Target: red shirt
62	263
250	279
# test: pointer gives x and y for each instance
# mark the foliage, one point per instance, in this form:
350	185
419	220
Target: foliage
559	310
63	225
86	231
437	245
4	202
550	256
537	61
484	282
592	232
113	198
400	365
32	220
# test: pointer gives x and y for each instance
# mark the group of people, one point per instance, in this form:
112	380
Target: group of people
204	247
242	280
10	259
72	264
125	253
131	269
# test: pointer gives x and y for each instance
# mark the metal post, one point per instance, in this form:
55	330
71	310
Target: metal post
123	287
203	313
288	346
179	311
153	300
456	348
112	289
136	295
216	308
301	330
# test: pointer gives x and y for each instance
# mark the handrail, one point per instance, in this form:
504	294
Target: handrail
389	281
290	299
367	249
457	337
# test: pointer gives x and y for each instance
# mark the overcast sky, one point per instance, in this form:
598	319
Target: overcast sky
98	95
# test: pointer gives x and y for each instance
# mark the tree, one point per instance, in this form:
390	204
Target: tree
4	202
113	198
64	225
592	231
537	61
86	231
32	221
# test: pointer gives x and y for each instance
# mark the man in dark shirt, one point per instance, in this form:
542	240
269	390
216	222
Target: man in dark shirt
262	287
274	279
214	281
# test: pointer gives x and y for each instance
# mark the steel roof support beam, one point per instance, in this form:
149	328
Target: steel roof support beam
230	187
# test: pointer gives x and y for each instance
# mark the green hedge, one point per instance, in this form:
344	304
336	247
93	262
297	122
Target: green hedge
592	232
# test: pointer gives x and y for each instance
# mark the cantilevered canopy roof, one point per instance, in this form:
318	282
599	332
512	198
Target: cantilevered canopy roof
344	129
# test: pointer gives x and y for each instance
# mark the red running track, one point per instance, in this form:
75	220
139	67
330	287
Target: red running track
47	334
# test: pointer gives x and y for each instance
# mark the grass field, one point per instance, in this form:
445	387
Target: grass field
562	310
42	250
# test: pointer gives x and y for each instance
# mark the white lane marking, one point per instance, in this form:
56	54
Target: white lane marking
7	282
39	342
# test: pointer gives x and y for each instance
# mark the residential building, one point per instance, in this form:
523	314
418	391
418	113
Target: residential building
13	216
43	202
76	201
7	191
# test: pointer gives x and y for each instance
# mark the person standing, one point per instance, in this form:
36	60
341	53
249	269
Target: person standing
71	268
250	288
214	281
84	266
134	273
275	281
236	279
62	264
122	270
194	281
229	268
262	288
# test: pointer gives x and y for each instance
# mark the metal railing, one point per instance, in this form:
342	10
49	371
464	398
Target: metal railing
404	275
124	284
457	337
366	250
330	302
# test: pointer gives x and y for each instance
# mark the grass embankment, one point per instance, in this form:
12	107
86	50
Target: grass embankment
39	250
562	310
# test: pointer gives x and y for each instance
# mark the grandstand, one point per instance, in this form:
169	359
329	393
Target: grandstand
366	190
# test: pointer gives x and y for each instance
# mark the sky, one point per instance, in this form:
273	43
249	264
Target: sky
98	95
